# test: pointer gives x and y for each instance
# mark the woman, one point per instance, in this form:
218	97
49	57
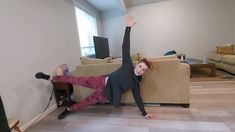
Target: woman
110	87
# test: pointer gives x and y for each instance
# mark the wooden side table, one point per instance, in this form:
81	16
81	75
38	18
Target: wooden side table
63	90
196	63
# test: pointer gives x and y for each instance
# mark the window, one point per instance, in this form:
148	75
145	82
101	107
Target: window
87	28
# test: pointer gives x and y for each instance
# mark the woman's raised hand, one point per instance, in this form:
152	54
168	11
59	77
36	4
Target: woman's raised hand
129	21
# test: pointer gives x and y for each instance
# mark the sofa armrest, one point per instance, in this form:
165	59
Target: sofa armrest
169	84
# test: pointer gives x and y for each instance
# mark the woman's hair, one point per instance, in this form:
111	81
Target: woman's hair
149	64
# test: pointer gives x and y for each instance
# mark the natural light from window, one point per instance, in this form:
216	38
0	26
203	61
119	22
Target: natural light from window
87	28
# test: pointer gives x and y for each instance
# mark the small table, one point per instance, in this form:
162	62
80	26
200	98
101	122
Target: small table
66	89
196	63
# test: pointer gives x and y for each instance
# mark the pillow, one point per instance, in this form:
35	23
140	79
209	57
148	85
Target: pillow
137	57
86	60
172	52
134	57
226	50
115	60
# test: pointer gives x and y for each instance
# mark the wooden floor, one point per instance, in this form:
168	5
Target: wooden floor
201	75
212	110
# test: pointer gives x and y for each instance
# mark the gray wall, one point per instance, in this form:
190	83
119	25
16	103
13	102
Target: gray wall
36	35
193	27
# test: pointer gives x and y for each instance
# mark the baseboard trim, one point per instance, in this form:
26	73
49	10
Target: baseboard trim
38	118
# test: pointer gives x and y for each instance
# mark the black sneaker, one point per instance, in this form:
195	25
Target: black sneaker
63	114
41	75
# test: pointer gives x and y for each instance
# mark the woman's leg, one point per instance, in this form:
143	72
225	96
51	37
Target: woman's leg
90	100
90	82
97	83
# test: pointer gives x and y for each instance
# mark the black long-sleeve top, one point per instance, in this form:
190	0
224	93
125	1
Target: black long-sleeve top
124	78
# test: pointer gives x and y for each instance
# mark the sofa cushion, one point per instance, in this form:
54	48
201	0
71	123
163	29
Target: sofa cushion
230	59
226	49
86	60
164	57
216	57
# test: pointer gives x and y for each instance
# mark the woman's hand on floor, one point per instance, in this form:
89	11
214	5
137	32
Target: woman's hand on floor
150	116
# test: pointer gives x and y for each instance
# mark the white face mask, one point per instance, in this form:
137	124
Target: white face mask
140	68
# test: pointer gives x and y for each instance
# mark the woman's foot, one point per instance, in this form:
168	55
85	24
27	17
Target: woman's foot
41	75
59	71
63	114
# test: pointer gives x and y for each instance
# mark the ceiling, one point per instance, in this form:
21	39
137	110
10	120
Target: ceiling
111	5
131	3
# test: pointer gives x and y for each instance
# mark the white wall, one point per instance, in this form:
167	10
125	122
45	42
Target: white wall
193	27
113	29
36	35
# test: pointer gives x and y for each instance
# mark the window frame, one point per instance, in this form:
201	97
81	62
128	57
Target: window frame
90	46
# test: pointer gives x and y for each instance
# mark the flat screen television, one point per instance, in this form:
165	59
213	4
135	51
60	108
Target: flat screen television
101	47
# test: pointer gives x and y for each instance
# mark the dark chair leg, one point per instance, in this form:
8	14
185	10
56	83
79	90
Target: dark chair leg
3	119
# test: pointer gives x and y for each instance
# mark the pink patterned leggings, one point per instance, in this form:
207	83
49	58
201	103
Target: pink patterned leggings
97	83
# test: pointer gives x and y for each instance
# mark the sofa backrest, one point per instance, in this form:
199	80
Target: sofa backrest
225	49
163	57
163	66
135	58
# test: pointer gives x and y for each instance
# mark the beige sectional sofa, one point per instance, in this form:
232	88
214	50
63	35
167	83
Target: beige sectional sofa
168	85
224	58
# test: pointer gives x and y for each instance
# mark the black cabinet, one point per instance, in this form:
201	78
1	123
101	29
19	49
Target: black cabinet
62	92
